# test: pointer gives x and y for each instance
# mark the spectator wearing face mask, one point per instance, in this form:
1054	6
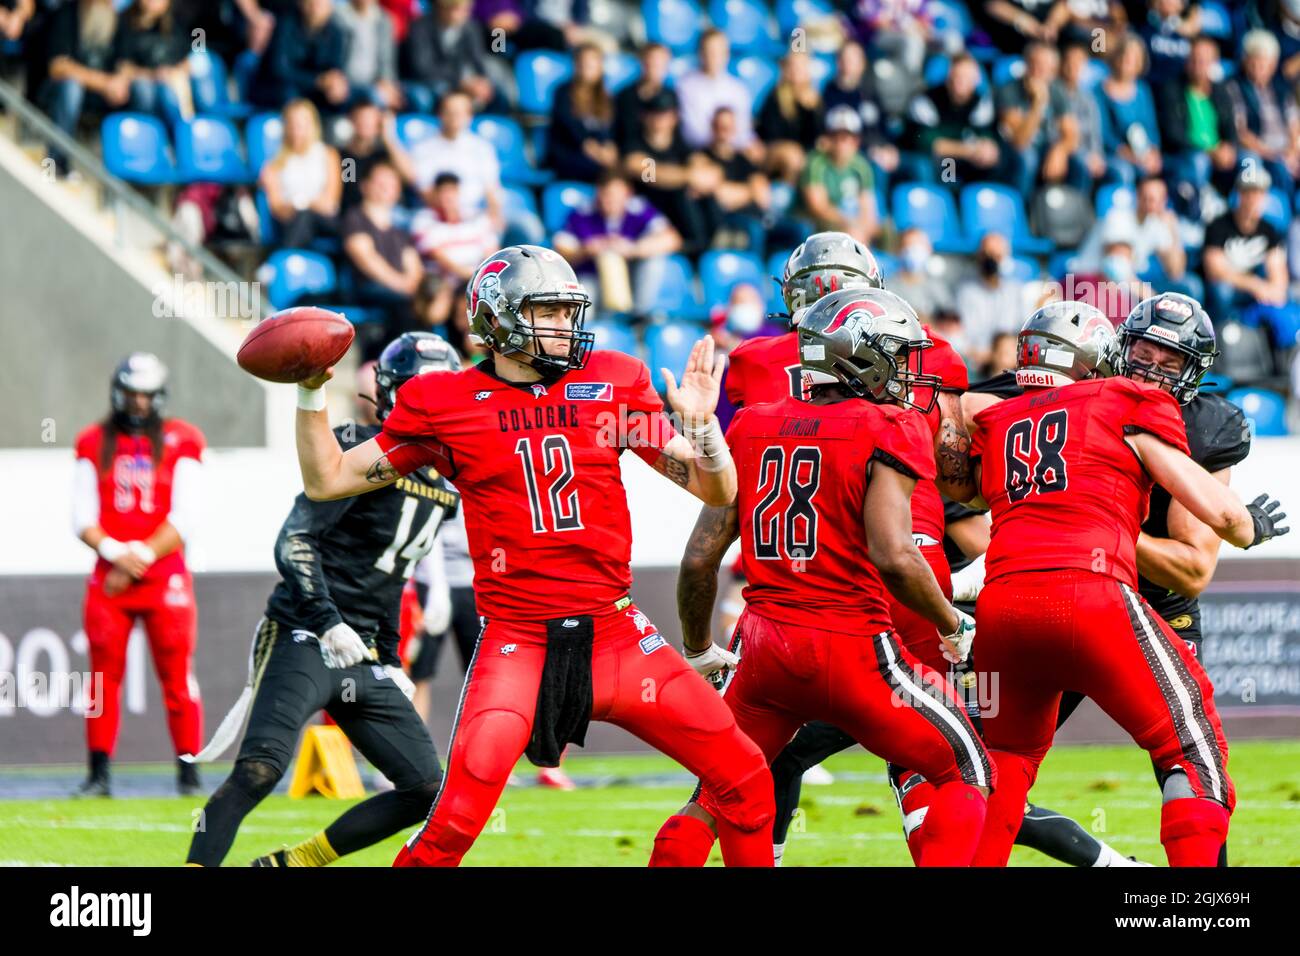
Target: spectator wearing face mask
922	291
993	301
1116	289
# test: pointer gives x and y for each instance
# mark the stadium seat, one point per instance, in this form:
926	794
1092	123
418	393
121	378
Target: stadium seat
1061	265
243	70
888	264
894	85
759	73
748	25
290	274
614	336
678	298
932	210
1026	270
136	149
516	198
950	19
559	199
1115	195
722	269
792	13
507	136
988	207
669	346
210	86
1215	20
674	23
1062	215
207	150
1245	355
822	69
1094	71
1266	411
679	66
414	128
264	133
538	73
621	68
1006	69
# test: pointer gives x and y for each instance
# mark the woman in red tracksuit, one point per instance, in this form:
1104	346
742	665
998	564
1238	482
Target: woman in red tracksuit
135	497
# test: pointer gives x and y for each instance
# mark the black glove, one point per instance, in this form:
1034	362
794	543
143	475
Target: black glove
1266	517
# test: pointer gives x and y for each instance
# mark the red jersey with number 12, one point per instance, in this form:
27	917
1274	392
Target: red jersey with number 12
1065	489
803	471
537	466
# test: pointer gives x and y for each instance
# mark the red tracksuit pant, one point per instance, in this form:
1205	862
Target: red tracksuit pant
639	683
166	608
873	690
1045	632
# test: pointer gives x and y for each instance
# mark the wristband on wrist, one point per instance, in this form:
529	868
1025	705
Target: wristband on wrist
110	549
142	551
311	399
711	451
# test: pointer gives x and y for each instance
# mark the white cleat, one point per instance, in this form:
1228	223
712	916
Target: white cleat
818	776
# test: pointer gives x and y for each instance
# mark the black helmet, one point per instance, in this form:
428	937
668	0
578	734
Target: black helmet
823	263
509	280
867	340
139	372
407	356
1063	342
1175	321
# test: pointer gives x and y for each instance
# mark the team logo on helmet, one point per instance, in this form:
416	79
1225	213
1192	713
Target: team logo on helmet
488	284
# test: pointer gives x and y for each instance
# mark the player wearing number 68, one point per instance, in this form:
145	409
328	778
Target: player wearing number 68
328	641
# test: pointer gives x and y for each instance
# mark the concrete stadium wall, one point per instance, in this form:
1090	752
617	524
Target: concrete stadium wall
70	310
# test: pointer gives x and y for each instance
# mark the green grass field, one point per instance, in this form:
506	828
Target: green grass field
1110	790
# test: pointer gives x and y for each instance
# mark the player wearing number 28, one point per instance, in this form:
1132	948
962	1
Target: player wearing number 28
532	439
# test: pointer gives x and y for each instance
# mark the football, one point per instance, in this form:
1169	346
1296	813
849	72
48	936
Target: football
295	344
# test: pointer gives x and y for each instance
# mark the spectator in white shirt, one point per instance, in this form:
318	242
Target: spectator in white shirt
706	90
452	242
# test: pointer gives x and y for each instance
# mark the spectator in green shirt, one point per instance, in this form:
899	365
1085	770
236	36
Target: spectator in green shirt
837	190
1196	127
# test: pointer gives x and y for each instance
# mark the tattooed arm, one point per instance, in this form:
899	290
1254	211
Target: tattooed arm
329	472
679	463
697	579
952	451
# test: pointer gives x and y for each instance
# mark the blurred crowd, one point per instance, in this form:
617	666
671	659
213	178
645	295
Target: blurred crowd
995	153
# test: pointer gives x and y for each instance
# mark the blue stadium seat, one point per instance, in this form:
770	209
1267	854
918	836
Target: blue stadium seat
759	73
1061	265
1215	384
538	73
748	25
290	274
822	69
888	264
674	23
989	207
722	269
950	18
669	346
136	149
791	13
507	137
614	336
264	134
1115	195
678	298
932	210
414	128
244	69
559	199
681	65
1215	20
1023	269
621	68
1266	411
1007	68
775	269
207	150
516	198
1094	71
210	85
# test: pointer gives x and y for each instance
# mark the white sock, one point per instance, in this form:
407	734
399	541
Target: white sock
1109	856
778	851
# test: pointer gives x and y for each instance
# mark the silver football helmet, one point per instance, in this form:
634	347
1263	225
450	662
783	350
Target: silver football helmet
823	263
1063	342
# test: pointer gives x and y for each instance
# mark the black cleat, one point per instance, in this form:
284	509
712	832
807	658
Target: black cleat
274	858
187	779
94	787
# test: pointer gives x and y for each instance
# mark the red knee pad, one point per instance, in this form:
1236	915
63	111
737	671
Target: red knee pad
683	841
492	740
1193	831
748	804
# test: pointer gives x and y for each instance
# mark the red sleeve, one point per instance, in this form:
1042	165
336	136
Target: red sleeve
734	380
87	445
650	436
408	437
942	359
1152	410
904	436
190	442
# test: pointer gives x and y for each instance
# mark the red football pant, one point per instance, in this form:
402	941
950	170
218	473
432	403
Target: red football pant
879	694
1045	632
166	608
652	693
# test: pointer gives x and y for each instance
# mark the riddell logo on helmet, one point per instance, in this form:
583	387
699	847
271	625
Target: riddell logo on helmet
1033	376
1159	332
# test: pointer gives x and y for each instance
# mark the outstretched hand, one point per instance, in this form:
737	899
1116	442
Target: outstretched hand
319	380
696	398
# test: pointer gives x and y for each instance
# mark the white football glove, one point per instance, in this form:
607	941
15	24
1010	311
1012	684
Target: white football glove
711	660
342	647
956	646
401	680
968	582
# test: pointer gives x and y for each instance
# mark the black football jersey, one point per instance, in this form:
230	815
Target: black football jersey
348	560
1219	438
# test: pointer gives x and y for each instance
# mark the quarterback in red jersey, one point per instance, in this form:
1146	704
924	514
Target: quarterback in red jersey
135	501
1067	471
823	484
532	440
